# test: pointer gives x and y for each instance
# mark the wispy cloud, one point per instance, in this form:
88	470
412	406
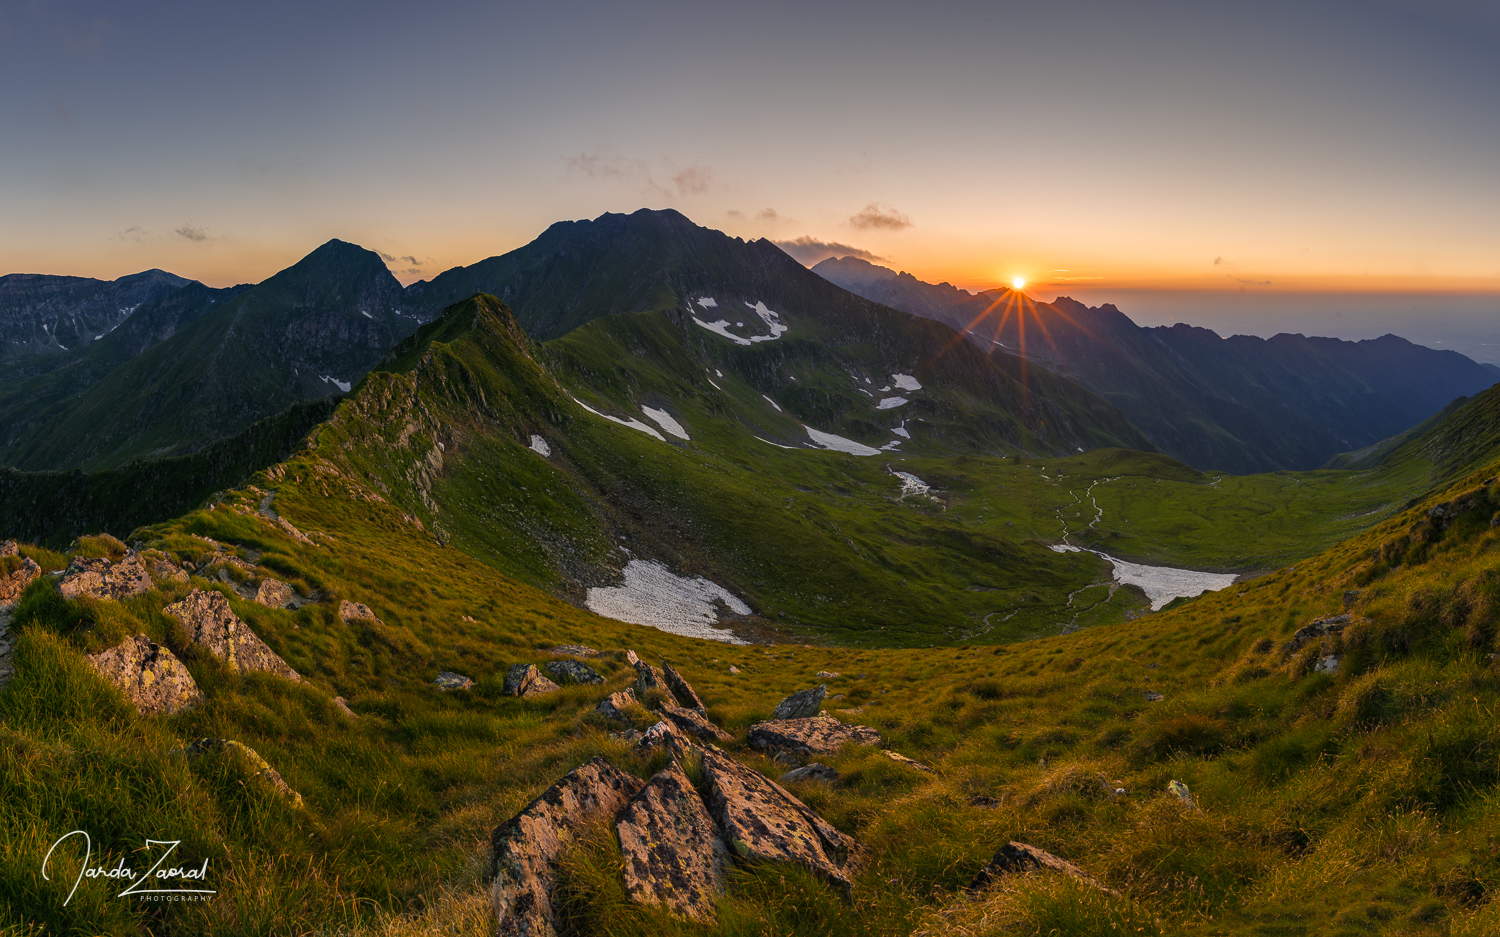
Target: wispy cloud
388	258
192	233
682	181
134	233
808	251
767	215
878	216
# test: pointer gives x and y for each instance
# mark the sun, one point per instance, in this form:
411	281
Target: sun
1018	283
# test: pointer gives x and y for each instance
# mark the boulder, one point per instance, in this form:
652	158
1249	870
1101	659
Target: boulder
98	578
343	706
760	821
673	855
827	675
818	735
812	772
663	734
681	689
273	593
9	548
13	585
733	669
249	760
571	671
1328	664
695	725
149	675
803	704
1016	857
525	849
1153	697
211	623
631	658
448	680
573	650
355	611
525	681
649	678
1314	630
614	705
1181	792
295	534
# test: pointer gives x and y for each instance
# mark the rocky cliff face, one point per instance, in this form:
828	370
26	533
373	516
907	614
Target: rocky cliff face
50	315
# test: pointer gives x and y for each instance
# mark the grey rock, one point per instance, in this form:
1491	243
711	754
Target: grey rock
355	611
13	585
673	855
733	669
98	578
614	705
649	679
164	570
901	759
9	548
1013	858
760	821
695	725
631	658
818	735
681	689
812	772
1153	697
149	675
273	593
343	706
663	734
803	704
448	680
212	624
249	761
525	681
526	848
571	671
1328	664
827	675
1181	792
575	650
1314	631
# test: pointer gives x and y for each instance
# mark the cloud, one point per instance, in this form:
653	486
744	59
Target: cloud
808	251
694	180
411	260
1253	282
736	214
388	258
134	233
1221	262
875	215
767	214
192	233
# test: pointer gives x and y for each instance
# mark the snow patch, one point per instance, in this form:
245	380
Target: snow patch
341	385
771	318
911	484
891	446
773	403
890	403
707	302
905	382
839	443
776	444
653	595
1065	548
664	419
1161	584
633	423
366	314
716	386
539	446
772	321
901	431
722	328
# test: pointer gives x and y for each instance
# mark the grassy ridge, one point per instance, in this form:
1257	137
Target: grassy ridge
1355	803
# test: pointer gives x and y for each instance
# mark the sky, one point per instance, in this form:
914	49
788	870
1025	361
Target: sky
1319	167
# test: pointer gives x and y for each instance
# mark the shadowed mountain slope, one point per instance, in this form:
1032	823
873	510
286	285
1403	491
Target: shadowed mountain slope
42	315
1241	404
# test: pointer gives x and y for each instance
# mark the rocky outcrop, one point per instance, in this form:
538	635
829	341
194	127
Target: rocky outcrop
342	705
760	821
690	722
292	531
526	848
673	855
249	761
13	585
1315	630
1016	857
448	680
214	626
631	658
9	548
355	611
681	689
525	681
816	735
574	650
803	704
649	681
665	735
571	671
812	772
149	675
901	759
273	593
614	705
98	578
163	570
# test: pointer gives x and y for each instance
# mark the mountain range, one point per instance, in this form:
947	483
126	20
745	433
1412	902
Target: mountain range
1239	404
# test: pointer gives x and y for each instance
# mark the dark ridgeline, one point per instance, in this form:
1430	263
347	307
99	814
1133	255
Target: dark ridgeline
1240	404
